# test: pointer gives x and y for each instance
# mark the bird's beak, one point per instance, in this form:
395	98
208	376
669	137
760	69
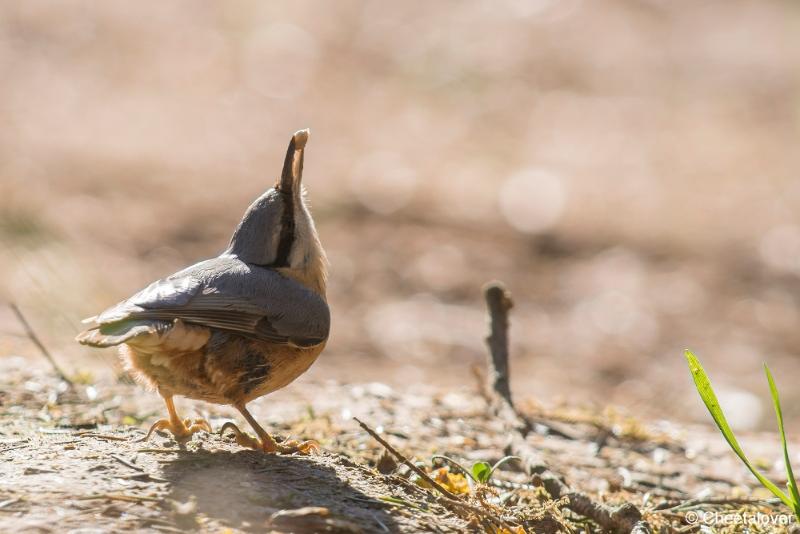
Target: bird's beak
293	164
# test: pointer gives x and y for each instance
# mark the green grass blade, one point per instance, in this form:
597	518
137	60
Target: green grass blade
703	385
501	461
791	482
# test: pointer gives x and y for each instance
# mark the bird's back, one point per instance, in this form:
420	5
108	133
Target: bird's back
223	293
220	330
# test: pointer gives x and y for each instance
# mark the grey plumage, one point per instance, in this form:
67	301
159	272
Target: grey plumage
266	233
224	293
257	236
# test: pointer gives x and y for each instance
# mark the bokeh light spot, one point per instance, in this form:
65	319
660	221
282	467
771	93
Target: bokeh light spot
533	200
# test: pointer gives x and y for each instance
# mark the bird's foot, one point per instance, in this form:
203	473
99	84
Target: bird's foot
182	431
268	443
291	446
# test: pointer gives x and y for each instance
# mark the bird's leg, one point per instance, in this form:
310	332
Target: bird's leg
265	442
181	430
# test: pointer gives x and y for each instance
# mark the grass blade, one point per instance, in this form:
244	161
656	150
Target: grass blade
501	461
703	385
790	480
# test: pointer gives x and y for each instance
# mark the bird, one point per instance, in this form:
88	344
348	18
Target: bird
232	328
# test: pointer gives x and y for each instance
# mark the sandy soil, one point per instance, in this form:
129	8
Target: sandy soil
73	462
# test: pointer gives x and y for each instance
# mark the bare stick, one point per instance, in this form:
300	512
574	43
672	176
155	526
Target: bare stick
626	518
447	497
498	301
422	474
36	341
126	463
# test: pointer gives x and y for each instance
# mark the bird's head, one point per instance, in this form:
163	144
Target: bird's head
277	230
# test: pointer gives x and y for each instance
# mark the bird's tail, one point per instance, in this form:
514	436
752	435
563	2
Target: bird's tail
108	335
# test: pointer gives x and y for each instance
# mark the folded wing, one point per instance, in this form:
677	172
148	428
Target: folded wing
227	294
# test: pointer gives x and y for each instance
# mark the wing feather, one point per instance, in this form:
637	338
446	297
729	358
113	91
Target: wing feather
228	294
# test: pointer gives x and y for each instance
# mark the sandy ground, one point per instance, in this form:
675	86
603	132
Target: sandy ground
73	462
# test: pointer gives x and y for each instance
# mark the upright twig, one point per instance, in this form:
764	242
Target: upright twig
36	341
626	518
499	303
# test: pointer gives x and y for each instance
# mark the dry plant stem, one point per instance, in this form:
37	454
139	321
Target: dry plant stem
422	474
627	518
36	341
126	463
104	437
447	497
499	302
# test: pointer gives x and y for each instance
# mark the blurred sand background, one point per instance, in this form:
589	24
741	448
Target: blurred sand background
628	168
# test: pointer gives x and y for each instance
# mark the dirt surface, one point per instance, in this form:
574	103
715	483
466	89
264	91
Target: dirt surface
72	461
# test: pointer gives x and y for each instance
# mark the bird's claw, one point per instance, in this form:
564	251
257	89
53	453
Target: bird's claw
182	431
290	446
196	425
243	439
268	444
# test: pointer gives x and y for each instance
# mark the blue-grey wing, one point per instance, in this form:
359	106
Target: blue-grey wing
228	294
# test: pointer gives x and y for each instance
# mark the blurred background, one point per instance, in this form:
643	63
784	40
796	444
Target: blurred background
628	168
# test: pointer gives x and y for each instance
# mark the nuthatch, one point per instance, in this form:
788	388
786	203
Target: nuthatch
233	328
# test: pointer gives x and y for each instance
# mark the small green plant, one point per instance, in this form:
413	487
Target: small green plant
703	385
481	472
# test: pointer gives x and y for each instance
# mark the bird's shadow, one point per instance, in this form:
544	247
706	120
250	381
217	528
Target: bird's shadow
244	488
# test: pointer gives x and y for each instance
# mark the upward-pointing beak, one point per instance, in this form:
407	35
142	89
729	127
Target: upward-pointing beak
293	164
